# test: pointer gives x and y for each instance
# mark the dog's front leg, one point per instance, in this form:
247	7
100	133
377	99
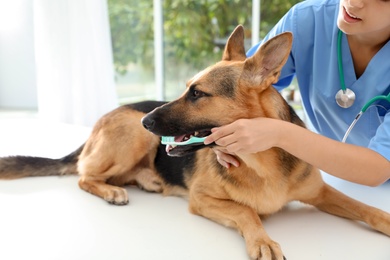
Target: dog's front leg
240	217
112	194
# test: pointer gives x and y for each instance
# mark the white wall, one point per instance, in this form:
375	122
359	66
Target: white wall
17	63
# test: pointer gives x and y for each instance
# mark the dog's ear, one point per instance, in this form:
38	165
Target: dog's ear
235	49
267	62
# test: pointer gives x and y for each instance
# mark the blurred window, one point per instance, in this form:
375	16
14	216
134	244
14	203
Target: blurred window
194	33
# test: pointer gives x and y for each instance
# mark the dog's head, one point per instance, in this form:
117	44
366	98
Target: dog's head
231	89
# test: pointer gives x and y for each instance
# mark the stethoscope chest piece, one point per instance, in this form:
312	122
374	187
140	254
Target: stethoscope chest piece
345	98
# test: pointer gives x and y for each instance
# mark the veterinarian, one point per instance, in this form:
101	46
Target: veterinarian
359	70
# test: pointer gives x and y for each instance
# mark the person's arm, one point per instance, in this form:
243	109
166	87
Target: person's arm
350	162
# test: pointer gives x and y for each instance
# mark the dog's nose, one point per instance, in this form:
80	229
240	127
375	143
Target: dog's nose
148	123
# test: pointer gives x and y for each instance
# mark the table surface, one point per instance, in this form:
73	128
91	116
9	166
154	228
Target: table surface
51	218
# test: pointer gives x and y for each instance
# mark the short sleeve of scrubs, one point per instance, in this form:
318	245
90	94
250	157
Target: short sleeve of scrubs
381	141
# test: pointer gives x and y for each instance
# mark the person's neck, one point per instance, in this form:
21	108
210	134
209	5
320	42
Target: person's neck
373	41
364	47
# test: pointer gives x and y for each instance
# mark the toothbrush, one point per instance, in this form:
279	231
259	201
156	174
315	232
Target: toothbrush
170	140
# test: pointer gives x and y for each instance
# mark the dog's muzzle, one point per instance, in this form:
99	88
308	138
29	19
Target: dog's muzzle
148	123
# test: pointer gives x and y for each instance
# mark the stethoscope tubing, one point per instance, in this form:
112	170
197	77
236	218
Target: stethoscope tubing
344	88
364	109
374	99
339	61
351	126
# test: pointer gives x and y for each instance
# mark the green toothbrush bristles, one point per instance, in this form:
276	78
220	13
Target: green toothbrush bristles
170	140
167	139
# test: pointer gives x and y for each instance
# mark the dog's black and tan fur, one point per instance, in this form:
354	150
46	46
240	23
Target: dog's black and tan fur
120	151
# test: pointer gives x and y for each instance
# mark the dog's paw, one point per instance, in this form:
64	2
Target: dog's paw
117	196
148	180
265	250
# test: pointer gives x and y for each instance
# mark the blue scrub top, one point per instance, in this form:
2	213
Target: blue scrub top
313	60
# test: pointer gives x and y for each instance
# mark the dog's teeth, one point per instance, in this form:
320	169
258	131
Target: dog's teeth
173	145
196	133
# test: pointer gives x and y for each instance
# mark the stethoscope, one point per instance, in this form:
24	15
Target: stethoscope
345	97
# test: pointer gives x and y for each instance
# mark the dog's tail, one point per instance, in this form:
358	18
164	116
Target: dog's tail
15	167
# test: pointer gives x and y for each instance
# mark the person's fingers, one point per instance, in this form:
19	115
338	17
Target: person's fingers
222	136
226	159
232	148
223	163
212	137
219	132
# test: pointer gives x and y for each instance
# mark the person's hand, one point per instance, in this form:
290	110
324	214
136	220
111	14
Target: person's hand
225	159
244	136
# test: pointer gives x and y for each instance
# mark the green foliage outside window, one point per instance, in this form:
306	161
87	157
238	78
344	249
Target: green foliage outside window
191	29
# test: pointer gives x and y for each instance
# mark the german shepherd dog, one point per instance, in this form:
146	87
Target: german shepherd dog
120	151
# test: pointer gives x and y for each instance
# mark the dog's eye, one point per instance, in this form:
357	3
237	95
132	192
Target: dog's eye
196	93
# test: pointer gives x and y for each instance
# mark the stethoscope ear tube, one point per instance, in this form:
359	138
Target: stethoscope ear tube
352	126
364	109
